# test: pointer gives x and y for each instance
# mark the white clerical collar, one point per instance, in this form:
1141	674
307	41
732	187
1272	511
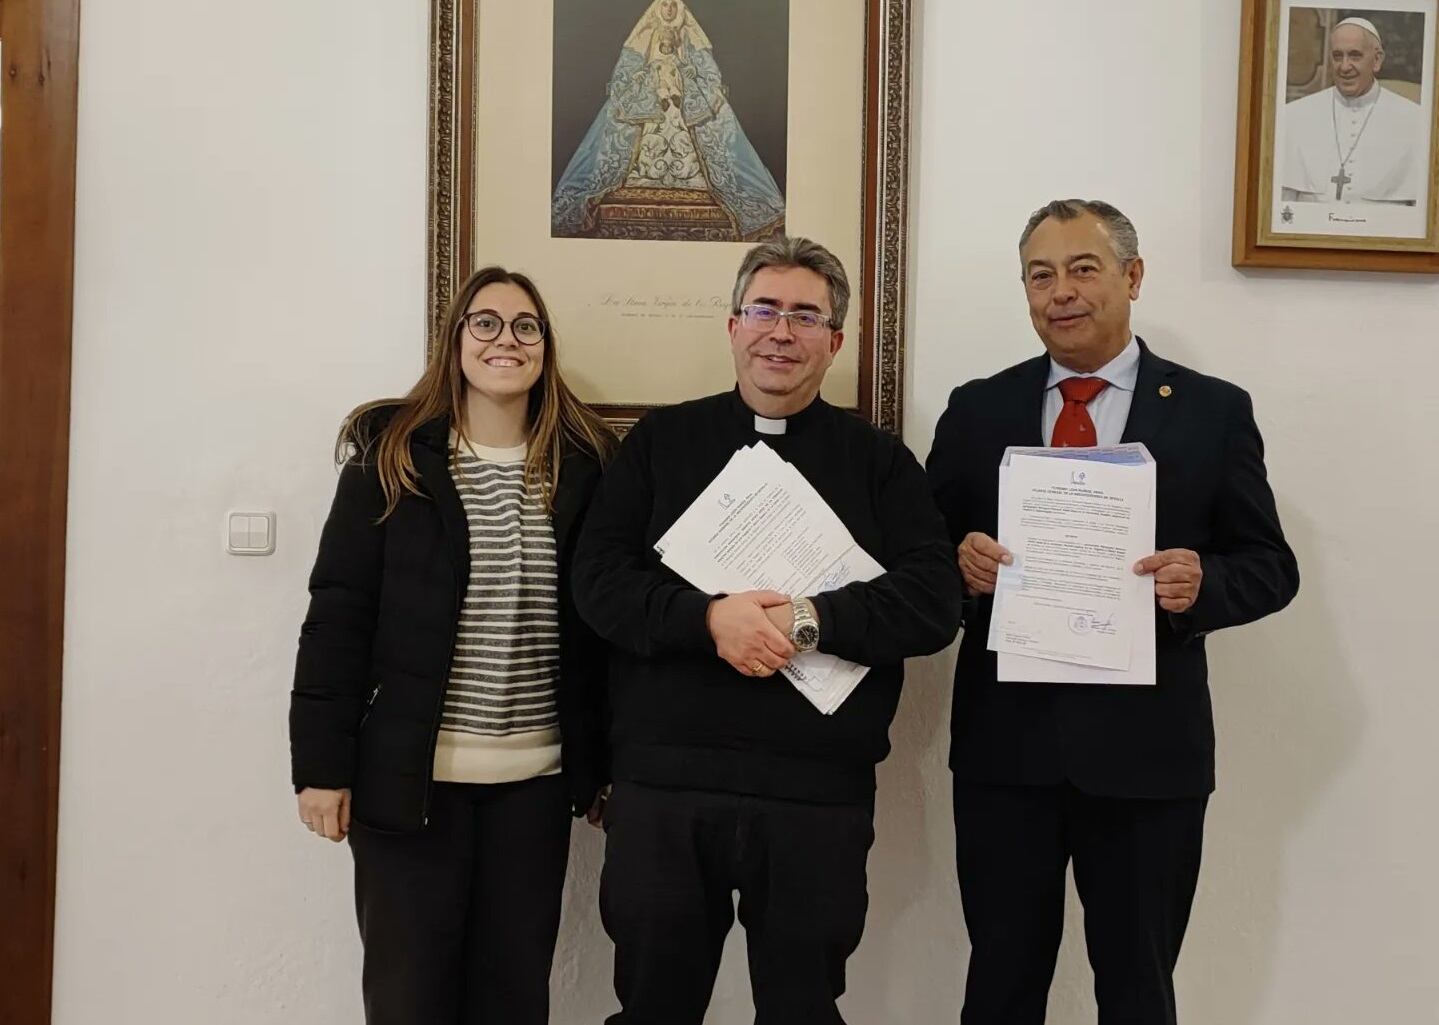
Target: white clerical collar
795	423
1360	102
1121	372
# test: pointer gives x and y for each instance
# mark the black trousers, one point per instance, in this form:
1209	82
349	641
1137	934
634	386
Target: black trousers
459	919
673	861
1136	865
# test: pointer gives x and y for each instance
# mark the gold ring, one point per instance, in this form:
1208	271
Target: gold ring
758	668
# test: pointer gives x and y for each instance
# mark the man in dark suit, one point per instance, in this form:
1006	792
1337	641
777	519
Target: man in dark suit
1115	778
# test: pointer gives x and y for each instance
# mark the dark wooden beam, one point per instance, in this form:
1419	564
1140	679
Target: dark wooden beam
39	40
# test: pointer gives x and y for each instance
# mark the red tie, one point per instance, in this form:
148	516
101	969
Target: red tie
1074	428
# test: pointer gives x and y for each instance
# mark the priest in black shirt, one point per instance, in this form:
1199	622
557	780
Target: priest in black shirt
726	778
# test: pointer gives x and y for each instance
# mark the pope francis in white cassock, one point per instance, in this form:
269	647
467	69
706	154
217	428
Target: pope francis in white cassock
1355	142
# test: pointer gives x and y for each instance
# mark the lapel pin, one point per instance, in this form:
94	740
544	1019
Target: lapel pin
1165	391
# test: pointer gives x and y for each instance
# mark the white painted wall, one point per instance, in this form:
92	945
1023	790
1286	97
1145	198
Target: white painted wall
249	264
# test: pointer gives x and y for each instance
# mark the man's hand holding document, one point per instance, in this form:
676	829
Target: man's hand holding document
760	525
1070	608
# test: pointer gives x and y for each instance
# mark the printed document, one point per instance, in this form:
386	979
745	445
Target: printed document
1070	608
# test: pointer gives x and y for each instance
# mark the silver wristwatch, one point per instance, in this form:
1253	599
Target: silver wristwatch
804	632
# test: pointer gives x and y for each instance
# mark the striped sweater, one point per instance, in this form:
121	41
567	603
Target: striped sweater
500	722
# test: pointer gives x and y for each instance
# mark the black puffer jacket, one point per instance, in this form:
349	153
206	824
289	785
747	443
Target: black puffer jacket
375	647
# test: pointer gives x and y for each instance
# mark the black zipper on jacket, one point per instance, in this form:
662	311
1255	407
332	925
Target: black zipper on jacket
442	448
440	710
445	683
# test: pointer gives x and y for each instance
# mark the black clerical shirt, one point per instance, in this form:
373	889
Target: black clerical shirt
683	717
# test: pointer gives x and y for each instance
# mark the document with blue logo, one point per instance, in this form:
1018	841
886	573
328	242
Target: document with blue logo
1071	609
760	525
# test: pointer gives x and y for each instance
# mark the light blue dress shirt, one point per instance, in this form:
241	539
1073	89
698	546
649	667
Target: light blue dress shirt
1110	408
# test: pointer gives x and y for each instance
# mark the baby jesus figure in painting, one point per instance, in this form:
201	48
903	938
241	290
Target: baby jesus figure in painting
667	156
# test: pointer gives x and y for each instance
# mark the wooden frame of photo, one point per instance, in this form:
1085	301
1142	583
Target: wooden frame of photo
1254	171
878	284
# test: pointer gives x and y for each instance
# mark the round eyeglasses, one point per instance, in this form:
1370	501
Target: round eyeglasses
758	317
486	326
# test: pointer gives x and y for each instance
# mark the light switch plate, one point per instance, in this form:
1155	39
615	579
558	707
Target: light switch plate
250	533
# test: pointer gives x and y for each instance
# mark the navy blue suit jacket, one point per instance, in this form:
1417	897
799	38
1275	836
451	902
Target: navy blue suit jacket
1213	498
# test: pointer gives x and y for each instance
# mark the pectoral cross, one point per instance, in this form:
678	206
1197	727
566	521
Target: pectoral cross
1340	180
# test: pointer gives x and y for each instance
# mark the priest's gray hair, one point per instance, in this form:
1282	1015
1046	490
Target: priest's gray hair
785	251
1122	233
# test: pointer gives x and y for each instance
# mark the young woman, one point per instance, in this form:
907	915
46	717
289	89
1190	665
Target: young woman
446	708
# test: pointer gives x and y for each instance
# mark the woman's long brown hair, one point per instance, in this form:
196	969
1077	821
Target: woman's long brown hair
556	417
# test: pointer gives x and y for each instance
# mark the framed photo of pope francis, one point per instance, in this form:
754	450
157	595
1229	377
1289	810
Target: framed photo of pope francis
627	153
1339	136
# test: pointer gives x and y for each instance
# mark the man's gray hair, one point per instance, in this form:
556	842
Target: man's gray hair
796	252
1121	229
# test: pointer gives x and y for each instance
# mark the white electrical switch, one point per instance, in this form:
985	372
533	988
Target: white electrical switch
251	533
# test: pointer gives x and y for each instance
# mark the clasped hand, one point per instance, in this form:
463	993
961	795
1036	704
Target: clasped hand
746	634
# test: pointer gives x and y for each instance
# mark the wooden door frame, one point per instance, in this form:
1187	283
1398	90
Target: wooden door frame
40	41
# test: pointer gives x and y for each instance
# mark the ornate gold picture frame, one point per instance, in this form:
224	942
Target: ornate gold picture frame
641	323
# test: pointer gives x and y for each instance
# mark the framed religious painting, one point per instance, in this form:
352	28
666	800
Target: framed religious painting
1338	150
627	153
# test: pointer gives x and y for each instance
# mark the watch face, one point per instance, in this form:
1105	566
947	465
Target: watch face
806	636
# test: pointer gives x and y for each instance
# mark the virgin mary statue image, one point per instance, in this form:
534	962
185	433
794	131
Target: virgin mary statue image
666	157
